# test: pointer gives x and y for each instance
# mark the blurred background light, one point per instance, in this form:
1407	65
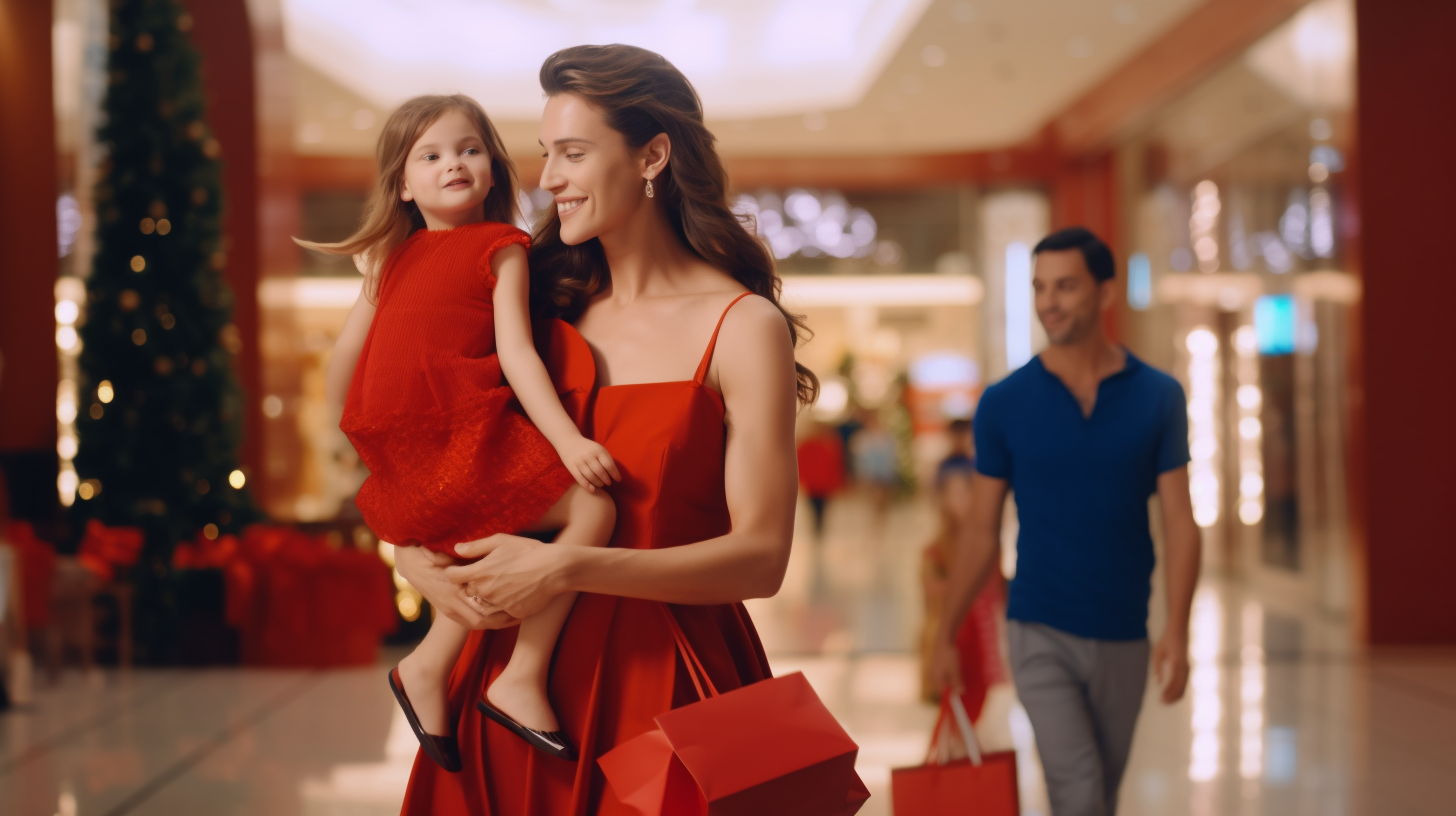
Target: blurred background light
1139	281
1274	323
1018	305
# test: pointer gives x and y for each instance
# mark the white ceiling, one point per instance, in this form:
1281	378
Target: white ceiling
746	57
874	76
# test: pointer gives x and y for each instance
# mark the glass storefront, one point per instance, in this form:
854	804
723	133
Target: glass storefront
1239	281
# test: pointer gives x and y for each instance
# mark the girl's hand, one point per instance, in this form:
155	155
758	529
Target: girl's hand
589	463
518	576
427	572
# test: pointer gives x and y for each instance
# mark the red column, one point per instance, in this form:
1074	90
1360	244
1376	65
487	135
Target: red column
1084	194
1407	168
28	261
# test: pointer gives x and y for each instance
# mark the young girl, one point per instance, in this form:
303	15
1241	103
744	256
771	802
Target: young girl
440	326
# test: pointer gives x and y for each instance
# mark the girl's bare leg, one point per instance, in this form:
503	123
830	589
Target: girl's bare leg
586	520
425	674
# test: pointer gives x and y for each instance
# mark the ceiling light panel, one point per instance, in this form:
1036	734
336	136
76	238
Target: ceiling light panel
747	58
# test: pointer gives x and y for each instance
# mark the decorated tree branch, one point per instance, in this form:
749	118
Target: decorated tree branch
161	412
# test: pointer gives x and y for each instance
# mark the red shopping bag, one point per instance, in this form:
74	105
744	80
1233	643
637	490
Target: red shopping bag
762	750
983	784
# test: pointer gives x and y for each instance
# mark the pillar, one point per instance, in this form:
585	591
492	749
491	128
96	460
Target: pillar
1407	175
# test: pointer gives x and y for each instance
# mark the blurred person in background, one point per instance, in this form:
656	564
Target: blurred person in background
978	637
821	470
875	460
1083	434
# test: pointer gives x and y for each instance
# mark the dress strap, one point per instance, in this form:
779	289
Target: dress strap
713	342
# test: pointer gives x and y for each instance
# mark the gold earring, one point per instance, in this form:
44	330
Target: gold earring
649	188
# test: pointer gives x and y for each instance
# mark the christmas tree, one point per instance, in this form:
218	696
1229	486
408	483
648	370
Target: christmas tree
161	412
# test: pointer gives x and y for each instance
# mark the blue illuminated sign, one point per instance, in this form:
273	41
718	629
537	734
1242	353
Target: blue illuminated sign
1274	324
1139	281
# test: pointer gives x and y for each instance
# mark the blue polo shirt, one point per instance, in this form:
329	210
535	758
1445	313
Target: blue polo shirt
1084	560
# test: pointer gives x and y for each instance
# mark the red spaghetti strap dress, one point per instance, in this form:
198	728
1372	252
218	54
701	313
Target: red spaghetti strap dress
451	455
616	666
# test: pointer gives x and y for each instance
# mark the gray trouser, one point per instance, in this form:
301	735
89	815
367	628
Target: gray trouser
1082	697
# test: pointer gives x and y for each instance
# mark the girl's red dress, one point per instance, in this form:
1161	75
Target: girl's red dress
616	666
451	455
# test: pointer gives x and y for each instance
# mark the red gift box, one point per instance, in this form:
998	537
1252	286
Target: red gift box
984	784
767	748
103	548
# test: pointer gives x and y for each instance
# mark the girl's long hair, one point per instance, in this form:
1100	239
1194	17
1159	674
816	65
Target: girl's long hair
388	220
641	95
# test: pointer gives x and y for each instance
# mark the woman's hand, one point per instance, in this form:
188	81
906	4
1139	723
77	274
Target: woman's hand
427	572
518	576
945	666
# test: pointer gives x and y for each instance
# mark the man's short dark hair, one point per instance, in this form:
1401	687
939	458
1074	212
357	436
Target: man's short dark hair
1094	252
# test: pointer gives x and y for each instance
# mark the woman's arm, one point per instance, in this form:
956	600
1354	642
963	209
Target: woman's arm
755	367
588	461
346	352
977	544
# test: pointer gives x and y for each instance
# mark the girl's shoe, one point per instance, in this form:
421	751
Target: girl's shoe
445	751
555	743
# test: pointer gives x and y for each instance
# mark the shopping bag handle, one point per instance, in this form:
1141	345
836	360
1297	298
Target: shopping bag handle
950	704
690	657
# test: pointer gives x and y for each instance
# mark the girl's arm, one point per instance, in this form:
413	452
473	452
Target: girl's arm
346	353
588	461
755	363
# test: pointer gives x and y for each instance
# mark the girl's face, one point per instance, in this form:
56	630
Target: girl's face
597	180
447	172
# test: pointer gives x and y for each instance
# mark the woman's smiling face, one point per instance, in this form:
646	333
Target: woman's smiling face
596	179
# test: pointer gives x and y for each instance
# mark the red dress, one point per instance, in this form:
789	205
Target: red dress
616	666
451	455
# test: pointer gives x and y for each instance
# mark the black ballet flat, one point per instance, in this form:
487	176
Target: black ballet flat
445	751
555	743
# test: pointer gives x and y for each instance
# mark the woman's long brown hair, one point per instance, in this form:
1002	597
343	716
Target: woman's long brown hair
641	95
388	220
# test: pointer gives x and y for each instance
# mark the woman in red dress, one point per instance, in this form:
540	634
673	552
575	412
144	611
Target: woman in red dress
695	399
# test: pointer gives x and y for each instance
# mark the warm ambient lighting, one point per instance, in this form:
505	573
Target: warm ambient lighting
1203	225
799	291
1202	345
1204	682
750	58
70	294
237	479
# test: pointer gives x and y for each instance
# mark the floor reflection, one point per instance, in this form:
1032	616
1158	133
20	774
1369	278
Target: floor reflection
1282	716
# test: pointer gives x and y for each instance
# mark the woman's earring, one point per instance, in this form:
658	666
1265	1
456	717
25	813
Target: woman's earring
649	188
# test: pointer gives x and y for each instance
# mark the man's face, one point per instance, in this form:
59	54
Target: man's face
1069	301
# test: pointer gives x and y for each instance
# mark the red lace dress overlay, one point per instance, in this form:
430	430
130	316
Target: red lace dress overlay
452	457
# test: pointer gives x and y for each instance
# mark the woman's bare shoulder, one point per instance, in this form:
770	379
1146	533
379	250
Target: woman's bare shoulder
754	332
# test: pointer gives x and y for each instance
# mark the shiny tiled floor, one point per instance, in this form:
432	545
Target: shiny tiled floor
1282	717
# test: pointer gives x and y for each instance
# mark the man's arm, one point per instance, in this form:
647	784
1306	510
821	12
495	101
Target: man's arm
976	550
1184	547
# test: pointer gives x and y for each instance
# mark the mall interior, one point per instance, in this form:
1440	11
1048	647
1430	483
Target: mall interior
1273	177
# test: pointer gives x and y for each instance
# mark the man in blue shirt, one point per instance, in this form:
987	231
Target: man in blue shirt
1082	436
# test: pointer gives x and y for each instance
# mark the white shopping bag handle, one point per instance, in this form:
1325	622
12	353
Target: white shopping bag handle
968	733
